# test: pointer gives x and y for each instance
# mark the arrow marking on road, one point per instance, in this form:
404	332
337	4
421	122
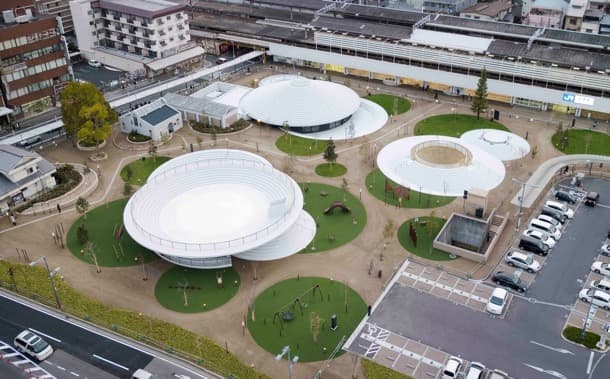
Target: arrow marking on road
562	351
550	372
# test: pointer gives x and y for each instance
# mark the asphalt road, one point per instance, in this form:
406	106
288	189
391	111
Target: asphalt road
527	343
82	353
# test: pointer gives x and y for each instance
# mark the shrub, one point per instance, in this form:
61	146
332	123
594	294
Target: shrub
127	189
573	334
82	234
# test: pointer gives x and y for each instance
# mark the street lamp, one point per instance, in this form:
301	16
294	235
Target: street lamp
295	359
50	275
522	184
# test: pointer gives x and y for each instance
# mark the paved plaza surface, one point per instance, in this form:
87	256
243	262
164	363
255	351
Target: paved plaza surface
124	287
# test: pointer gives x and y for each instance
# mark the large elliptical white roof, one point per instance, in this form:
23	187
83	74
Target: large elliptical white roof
501	144
300	102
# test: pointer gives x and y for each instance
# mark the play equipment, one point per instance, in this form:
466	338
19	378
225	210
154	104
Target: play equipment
286	312
397	191
337	204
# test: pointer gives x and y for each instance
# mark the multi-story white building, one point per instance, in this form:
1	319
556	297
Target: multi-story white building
59	8
134	35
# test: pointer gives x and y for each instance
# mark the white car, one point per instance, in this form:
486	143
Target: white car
596	297
32	345
475	371
550	220
542	236
600	267
605	250
452	368
94	63
496	302
545	227
524	261
561	207
603	285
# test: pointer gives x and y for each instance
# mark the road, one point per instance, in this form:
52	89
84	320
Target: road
82	352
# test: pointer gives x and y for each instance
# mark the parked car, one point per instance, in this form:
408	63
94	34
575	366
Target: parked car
600	267
557	215
550	220
497	301
94	63
143	374
565	196
452	368
498	374
221	60
524	261
605	250
509	280
475	371
541	236
596	297
592	198
32	345
603	285
567	211
533	245
546	227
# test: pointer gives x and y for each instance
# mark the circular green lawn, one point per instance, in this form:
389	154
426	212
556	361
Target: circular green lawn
454	125
427	229
582	142
294	145
102	225
202	290
331	170
376	185
338	228
330	297
141	169
390	103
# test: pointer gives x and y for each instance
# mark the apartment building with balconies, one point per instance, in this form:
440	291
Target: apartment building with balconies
131	35
59	8
34	64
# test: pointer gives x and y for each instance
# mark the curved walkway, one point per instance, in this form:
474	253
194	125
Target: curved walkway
545	172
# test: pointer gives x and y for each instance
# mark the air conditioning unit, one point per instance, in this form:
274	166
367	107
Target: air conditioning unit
8	16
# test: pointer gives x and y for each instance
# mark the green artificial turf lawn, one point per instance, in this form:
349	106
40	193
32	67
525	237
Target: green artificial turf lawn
599	143
328	170
202	291
387	102
101	223
141	169
454	125
573	333
375	183
329	299
374	370
294	145
425	235
338	228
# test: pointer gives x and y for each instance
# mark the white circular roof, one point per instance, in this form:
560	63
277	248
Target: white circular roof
400	162
300	102
501	144
206	206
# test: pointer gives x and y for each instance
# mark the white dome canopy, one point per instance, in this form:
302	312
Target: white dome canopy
300	102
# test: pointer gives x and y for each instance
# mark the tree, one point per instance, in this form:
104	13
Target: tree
329	154
314	325
286	129
82	235
152	151
127	189
479	100
82	205
98	119
74	99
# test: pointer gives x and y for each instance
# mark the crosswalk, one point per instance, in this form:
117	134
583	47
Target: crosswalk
10	355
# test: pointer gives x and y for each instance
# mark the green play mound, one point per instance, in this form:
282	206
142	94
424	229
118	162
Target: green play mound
141	169
582	142
328	170
387	102
282	316
336	228
454	125
427	229
190	290
294	145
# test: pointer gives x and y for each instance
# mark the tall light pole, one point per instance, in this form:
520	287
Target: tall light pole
50	275
295	359
523	185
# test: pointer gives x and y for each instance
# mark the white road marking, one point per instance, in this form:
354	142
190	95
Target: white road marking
602	205
73	373
110	362
45	335
550	372
562	351
61	368
590	363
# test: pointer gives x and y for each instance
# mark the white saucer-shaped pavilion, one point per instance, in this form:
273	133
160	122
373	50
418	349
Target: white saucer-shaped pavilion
440	165
503	145
314	109
201	208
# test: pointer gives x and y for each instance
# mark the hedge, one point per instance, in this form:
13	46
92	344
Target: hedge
573	333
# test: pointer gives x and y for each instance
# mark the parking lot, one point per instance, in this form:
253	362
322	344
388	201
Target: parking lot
100	76
426	306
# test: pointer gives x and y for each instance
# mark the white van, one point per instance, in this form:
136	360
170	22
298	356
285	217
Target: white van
142	374
569	213
546	227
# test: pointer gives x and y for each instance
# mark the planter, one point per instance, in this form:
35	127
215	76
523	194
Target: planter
138	142
100	156
89	148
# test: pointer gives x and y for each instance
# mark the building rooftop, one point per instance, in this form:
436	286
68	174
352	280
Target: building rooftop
492	9
11	156
200	105
159	115
142	8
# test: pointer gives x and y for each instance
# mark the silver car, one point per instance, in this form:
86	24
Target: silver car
523	261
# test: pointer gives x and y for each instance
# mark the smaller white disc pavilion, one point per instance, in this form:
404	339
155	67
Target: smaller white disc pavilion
199	209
